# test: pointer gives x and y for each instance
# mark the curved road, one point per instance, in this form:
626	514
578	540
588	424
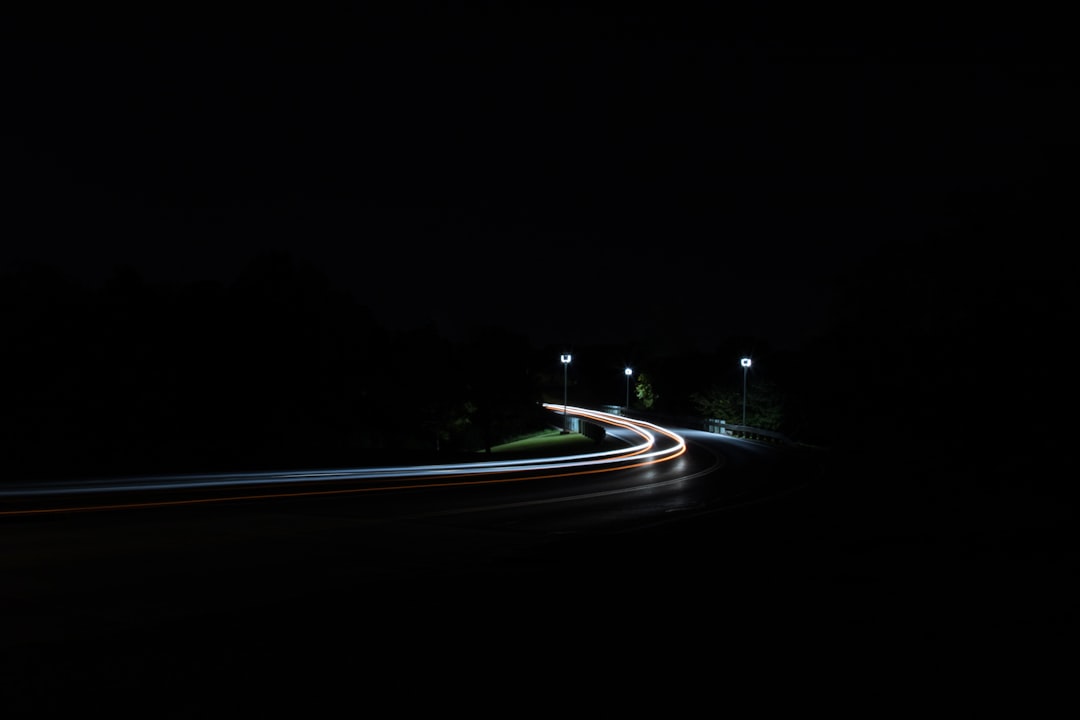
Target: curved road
97	538
160	571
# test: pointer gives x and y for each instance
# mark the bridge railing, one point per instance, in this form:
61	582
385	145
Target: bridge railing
713	425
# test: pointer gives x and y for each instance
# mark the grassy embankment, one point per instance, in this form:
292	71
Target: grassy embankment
551	442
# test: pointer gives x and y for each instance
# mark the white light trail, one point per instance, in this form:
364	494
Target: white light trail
642	453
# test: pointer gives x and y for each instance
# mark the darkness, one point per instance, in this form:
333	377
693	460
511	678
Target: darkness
511	165
576	174
878	209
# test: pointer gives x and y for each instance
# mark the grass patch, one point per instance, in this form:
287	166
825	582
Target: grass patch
552	442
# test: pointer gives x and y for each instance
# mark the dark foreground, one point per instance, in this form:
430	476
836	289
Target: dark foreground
862	601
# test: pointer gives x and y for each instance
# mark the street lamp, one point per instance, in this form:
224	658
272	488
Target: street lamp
565	364
745	362
628	372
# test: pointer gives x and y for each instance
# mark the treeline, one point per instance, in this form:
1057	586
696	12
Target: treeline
952	349
950	356
275	369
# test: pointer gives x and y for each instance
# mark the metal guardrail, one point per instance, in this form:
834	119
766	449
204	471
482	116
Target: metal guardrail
713	425
744	431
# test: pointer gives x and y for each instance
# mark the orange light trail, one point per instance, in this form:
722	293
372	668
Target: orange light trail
464	475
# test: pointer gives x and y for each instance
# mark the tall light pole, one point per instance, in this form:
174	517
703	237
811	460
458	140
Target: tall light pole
628	372
565	364
745	362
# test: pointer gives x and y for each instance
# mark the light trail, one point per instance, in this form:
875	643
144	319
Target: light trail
403	477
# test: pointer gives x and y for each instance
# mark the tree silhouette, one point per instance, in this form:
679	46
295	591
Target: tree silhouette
644	391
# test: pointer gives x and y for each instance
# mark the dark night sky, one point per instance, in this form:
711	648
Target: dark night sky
491	162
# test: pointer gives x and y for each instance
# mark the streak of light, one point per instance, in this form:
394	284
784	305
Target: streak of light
402	477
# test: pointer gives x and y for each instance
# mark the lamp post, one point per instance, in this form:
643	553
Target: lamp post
628	372
565	364
745	362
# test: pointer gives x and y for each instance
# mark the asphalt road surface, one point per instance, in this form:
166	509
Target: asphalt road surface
301	607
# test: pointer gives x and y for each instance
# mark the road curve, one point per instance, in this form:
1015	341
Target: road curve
646	444
141	586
